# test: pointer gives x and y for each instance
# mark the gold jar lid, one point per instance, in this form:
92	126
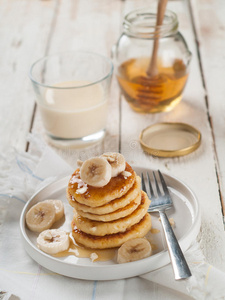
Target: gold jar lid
170	139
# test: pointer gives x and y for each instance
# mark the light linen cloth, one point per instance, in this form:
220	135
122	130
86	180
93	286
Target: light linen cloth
22	278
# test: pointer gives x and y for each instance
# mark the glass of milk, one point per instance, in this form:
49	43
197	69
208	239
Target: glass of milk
72	91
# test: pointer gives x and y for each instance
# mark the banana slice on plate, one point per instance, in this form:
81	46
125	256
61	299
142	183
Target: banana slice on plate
117	162
96	172
59	208
53	241
133	250
41	216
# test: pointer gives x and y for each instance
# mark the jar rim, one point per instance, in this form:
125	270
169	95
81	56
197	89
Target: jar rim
142	23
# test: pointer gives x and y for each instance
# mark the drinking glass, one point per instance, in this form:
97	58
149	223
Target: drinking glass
72	92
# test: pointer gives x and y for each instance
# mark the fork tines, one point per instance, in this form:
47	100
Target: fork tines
157	198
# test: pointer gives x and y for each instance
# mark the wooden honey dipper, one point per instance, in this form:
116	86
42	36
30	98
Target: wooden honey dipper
152	70
150	89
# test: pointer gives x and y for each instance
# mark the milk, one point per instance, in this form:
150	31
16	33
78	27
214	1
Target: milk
74	112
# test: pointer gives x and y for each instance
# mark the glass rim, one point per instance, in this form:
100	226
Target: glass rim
70	52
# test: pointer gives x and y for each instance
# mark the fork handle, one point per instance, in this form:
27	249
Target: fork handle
179	264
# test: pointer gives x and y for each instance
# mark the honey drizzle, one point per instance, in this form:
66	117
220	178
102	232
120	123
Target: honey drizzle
83	252
99	254
152	95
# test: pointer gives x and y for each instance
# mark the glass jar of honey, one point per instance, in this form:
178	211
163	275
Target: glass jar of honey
147	90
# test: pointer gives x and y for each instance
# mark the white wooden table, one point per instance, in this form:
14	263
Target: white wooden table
32	29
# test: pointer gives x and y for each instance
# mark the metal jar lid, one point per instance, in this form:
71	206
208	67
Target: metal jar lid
170	139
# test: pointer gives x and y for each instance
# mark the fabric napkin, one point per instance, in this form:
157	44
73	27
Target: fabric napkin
21	175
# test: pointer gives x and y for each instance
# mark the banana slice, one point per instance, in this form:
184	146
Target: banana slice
53	241
96	172
134	249
59	208
117	162
41	216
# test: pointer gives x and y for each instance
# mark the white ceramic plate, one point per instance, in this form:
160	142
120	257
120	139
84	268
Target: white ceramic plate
185	213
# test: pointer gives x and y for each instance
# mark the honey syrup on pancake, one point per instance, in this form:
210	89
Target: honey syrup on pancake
112	205
83	252
98	196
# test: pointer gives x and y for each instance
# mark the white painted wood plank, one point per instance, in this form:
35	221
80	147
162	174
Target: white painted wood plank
92	26
24	31
211	45
196	169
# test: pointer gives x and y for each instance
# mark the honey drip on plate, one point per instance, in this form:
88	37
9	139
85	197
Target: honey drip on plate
154	230
83	252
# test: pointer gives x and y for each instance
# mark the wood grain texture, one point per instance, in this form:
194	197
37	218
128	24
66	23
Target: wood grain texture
24	32
191	168
210	36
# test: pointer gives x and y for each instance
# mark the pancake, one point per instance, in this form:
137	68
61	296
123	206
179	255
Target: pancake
98	196
110	206
104	228
113	240
117	214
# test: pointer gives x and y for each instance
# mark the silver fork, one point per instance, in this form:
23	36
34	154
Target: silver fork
160	204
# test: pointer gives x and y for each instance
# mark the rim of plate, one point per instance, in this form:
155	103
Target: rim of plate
195	226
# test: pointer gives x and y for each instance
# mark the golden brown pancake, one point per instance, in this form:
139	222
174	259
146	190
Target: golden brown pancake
104	228
98	196
113	240
110	206
117	214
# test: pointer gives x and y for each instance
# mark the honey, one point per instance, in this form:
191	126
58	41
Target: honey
83	252
151	95
143	45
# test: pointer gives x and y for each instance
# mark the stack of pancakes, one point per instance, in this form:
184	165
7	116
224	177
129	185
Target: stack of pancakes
106	217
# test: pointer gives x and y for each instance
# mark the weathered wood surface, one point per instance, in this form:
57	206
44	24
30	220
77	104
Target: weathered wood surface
31	29
210	32
192	168
24	34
